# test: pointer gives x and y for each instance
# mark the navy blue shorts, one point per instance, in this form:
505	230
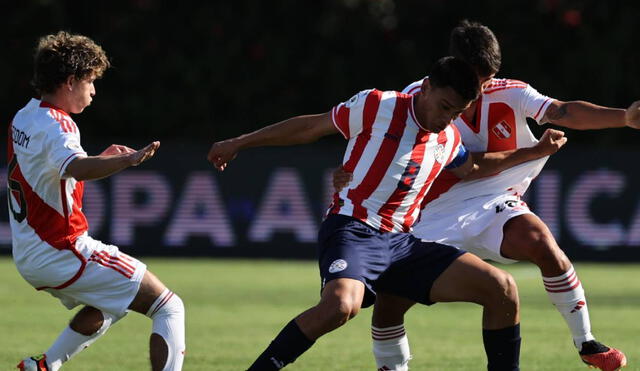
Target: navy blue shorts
397	263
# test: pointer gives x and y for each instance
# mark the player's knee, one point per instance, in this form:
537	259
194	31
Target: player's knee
503	291
340	311
544	251
87	321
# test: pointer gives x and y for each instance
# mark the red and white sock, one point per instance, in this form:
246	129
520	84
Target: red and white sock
566	293
391	348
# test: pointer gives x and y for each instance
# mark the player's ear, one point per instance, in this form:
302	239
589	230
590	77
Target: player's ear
426	85
68	83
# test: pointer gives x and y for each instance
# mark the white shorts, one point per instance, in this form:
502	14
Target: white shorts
109	282
475	225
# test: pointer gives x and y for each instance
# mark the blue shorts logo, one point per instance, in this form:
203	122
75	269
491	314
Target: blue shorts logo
337	266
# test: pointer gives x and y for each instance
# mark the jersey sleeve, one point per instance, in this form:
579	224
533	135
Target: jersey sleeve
534	104
458	158
459	155
414	87
63	147
348	116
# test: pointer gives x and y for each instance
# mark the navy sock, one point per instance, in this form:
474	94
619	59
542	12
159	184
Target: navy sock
284	349
503	348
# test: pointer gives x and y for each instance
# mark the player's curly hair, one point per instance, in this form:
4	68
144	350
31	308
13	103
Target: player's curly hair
61	55
476	44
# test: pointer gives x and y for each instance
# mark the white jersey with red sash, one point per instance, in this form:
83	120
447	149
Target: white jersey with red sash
44	206
500	124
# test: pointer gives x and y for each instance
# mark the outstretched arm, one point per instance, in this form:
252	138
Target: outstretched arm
114	159
484	164
296	130
584	115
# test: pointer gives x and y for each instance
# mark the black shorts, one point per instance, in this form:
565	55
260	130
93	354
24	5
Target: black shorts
398	263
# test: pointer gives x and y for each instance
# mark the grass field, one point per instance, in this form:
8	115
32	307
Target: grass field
235	307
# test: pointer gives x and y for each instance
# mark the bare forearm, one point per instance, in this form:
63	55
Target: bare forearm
582	115
296	130
97	167
490	163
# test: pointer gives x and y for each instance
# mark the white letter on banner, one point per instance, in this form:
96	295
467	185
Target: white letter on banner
284	209
5	228
548	200
200	212
579	219
93	204
127	214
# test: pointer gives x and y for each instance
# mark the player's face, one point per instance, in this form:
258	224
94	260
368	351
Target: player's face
81	94
438	107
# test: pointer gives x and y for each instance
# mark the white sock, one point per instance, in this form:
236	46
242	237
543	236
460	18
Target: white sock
70	343
167	313
566	293
391	348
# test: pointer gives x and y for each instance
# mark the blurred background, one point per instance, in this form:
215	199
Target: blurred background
192	72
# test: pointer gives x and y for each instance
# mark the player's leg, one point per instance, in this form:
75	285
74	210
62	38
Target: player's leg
470	279
526	237
166	310
390	342
340	301
84	329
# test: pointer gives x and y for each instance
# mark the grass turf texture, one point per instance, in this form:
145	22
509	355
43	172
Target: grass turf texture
235	307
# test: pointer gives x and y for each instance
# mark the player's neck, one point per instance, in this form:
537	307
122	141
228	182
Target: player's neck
470	113
56	100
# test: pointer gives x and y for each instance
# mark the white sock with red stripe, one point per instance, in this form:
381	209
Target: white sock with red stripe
70	343
391	348
167	313
567	294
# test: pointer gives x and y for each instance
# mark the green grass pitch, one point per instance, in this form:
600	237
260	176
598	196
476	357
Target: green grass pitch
235	307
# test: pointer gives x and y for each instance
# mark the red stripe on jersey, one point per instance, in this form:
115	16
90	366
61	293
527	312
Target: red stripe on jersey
435	170
535	117
406	182
516	86
502	128
443	183
383	158
340	117
371	105
370	111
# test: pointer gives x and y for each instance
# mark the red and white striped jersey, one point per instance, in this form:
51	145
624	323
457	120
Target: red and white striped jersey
394	159
500	124
44	206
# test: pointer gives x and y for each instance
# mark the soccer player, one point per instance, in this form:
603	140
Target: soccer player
487	217
397	144
51	247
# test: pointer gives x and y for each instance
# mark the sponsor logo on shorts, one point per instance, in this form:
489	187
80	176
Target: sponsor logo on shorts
338	266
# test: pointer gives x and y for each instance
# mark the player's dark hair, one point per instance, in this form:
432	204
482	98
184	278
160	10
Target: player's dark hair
62	55
457	74
476	44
